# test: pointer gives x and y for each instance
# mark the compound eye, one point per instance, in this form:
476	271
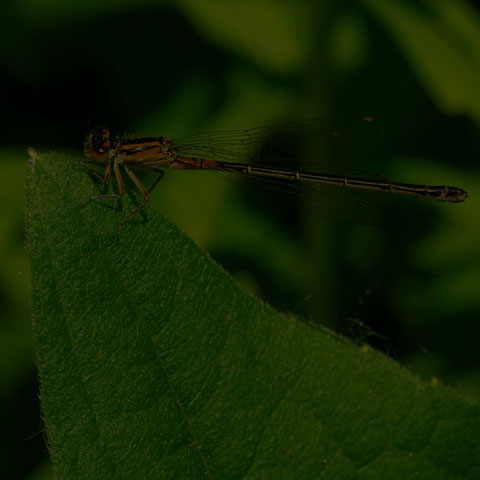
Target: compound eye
97	146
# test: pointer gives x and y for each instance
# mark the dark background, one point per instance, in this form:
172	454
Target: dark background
410	288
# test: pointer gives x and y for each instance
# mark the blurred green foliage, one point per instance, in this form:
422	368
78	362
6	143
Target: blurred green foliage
178	67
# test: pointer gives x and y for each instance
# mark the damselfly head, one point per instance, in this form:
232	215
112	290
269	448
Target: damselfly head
97	144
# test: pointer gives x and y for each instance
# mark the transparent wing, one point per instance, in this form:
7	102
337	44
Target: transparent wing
321	145
323	201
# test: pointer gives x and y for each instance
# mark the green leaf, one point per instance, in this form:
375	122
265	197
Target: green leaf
154	364
441	40
276	35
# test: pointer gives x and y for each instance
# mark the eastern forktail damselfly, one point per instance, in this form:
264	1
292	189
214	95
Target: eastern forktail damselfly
305	152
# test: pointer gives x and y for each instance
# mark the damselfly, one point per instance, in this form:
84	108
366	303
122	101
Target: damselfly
307	152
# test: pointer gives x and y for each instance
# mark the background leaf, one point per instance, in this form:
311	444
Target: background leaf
443	48
155	364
